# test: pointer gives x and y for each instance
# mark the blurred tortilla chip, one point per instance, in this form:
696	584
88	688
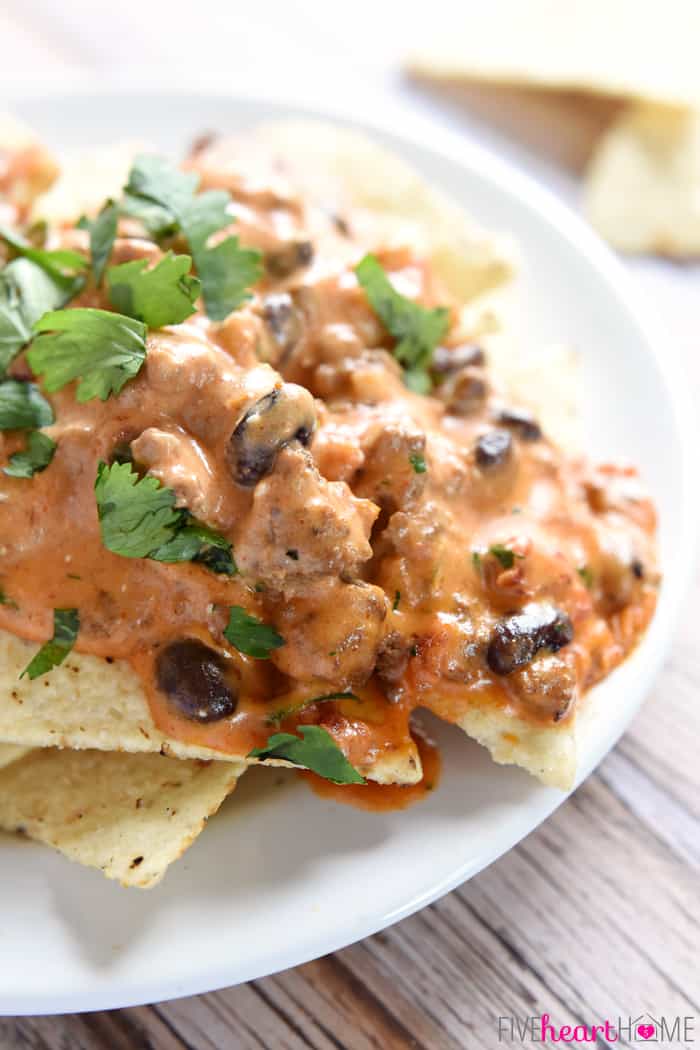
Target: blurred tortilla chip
340	168
130	816
619	48
87	178
643	183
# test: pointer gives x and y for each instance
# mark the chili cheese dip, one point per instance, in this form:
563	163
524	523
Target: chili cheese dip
262	495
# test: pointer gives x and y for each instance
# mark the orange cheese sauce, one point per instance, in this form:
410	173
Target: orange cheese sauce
368	542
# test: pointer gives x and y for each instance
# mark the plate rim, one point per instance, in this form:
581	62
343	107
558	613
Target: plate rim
416	132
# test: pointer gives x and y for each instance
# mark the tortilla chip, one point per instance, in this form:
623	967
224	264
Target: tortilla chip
339	168
622	48
88	177
87	703
547	752
643	183
130	816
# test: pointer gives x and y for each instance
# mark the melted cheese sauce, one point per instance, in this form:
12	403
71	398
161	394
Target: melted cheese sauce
380	575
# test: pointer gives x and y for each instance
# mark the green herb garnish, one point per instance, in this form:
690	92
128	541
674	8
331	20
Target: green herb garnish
138	519
504	555
22	406
250	635
103	231
315	750
225	270
163	294
63	265
586	575
26	293
418	463
476	560
35	457
101	349
66	624
397	599
284	712
416	329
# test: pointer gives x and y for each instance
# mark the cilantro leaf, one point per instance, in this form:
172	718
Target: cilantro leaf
586	575
418	463
284	712
315	750
138	519
137	515
416	329
22	406
63	265
101	349
504	555
158	222
26	293
36	457
225	270
164	294
66	624
197	542
250	635
103	231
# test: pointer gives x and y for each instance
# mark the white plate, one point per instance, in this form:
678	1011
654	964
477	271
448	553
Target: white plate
280	876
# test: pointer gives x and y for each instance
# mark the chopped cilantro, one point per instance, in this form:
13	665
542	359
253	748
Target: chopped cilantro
35	457
138	519
4	600
416	329
66	624
250	635
103	231
284	712
225	270
101	349
163	294
26	293
504	555
63	265
397	599
315	750
476	560
22	406
418	463
586	575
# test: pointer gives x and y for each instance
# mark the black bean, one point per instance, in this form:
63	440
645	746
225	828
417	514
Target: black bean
522	422
447	359
493	448
465	392
518	638
284	415
194	679
637	569
290	257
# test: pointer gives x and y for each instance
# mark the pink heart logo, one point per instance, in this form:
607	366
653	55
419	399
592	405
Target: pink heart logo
645	1031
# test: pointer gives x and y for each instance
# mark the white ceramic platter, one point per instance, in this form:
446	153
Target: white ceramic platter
280	876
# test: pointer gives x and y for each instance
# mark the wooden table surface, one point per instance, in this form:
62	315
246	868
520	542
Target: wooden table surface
594	915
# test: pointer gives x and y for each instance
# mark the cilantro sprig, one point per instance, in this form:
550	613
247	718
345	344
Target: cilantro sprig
226	270
34	458
250	635
293	709
26	293
158	295
103	232
416	329
138	519
64	266
22	406
315	750
99	348
66	624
